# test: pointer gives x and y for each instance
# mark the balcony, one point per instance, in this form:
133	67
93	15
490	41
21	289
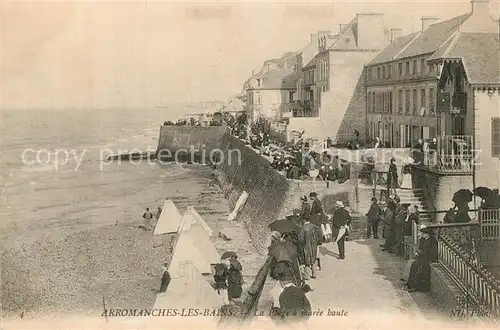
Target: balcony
451	154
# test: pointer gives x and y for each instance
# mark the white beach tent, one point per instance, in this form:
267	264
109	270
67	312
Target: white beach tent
199	236
188	290
169	220
187	250
194	217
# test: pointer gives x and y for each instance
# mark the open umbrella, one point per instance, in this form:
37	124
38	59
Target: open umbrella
284	226
229	254
483	192
462	196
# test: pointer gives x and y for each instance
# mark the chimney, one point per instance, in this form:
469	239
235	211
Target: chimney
395	33
427	21
481	7
342	26
314	38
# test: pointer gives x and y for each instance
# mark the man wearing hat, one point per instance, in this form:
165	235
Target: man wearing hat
373	216
316	209
340	218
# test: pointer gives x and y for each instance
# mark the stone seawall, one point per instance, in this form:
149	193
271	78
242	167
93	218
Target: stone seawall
183	138
244	170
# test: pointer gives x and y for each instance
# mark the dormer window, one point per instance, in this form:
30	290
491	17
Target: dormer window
258	82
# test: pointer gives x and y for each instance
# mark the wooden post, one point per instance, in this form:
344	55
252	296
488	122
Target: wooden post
254	293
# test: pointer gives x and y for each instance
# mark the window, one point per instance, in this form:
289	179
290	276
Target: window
389	69
290	97
422	101
407	68
407	101
378	73
258	82
414	67
400	101
369	73
257	97
374	104
383	72
390	102
432	100
400	69
414	101
422	65
369	102
495	137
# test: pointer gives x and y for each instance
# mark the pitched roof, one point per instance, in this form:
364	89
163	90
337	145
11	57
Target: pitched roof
393	49
278	79
434	36
481	66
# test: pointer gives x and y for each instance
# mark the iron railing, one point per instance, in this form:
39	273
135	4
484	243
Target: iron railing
481	288
451	153
489	220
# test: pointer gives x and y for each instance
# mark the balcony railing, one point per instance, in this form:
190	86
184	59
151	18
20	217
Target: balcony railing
452	153
481	289
490	224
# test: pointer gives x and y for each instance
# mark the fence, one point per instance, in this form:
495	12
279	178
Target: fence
482	289
489	219
452	153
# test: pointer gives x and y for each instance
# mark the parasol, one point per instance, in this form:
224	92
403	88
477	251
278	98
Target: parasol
229	254
462	196
283	251
284	226
341	233
483	192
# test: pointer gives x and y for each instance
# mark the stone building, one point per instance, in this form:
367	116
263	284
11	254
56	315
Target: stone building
402	83
270	94
332	93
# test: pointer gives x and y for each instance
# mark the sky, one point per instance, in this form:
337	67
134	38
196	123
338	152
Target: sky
83	54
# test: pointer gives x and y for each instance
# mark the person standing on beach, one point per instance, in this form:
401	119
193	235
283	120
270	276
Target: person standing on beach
147	216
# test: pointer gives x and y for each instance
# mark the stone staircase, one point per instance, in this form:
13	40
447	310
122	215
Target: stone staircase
415	196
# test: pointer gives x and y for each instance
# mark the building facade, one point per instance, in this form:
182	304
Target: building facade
402	84
333	92
271	94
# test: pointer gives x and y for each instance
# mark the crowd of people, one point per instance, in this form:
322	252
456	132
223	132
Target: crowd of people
294	250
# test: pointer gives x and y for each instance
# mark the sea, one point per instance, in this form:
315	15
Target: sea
55	169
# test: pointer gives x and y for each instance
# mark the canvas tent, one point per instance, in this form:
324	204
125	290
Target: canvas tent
199	236
187	290
193	217
187	250
169	220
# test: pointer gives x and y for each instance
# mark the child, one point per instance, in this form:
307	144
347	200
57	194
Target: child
220	278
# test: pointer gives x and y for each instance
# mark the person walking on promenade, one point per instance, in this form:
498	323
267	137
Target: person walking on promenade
295	308
309	237
147	216
340	219
387	219
305	209
316	209
373	216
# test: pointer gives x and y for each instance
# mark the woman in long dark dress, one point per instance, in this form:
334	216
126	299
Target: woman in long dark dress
420	272
234	280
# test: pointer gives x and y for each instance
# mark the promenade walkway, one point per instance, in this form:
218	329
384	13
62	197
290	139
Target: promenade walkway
365	292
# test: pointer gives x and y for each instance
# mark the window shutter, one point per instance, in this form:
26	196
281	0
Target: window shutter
495	137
